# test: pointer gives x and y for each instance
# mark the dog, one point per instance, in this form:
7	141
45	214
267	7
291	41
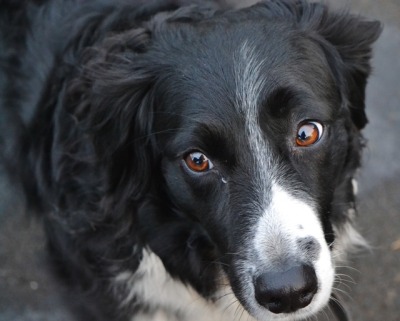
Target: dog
189	161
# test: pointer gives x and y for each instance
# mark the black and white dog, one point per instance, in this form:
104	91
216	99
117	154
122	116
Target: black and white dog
189	161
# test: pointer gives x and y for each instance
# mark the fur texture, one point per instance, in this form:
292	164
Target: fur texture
106	107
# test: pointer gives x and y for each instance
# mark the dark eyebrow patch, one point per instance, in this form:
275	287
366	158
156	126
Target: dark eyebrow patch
210	137
214	139
279	101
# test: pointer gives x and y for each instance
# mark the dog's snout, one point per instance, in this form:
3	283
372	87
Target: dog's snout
285	292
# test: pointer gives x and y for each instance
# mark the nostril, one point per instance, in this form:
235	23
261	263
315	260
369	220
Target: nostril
306	296
288	291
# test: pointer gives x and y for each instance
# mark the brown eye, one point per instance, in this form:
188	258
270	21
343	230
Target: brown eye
198	162
308	133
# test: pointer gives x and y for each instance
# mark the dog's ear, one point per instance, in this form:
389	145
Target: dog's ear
115	111
347	40
116	94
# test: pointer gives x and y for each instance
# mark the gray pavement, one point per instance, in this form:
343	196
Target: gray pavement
370	281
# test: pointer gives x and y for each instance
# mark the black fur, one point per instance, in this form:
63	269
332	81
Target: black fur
100	100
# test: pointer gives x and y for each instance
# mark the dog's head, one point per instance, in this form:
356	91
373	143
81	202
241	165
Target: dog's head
240	134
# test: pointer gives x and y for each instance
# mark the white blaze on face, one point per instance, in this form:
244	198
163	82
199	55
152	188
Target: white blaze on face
249	86
286	221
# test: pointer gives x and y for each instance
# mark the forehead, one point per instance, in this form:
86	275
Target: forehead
239	64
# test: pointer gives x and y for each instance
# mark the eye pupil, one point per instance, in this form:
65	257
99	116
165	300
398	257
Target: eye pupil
198	159
306	132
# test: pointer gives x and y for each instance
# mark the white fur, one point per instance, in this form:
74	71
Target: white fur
286	220
172	300
348	240
355	186
249	84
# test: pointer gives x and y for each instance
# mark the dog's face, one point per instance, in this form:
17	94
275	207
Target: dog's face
257	144
255	131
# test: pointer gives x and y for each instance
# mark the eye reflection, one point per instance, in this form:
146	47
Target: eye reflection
308	133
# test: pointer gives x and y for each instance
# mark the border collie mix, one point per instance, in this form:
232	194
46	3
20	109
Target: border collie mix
189	161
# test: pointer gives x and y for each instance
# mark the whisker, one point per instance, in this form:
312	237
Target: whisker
348	267
155	133
230	305
343	292
337	308
176	114
241	315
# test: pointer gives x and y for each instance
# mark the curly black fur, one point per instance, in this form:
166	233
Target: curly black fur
88	116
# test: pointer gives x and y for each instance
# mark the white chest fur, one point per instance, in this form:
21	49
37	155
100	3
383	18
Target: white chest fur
171	300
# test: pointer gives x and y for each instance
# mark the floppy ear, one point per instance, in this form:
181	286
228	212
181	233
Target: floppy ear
115	91
106	146
352	38
346	40
121	111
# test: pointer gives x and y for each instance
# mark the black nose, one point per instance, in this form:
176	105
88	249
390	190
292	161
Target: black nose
284	292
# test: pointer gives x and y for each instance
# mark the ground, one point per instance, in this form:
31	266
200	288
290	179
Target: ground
370	281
